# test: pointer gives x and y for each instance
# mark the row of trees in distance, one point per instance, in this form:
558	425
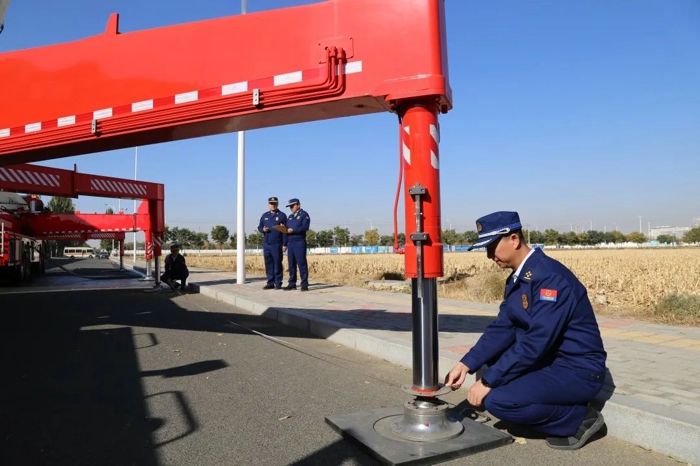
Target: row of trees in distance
221	238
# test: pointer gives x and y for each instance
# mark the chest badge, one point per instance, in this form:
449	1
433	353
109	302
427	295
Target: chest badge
523	297
277	219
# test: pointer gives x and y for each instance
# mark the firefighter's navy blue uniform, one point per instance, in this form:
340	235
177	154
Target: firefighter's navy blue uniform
298	221
544	354
273	241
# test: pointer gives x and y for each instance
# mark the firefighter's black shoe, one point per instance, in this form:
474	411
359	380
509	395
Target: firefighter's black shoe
269	286
304	288
289	287
590	425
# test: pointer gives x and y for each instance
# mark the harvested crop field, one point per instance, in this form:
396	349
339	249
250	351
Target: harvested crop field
660	285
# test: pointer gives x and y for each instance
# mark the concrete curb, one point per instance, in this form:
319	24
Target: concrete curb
656	427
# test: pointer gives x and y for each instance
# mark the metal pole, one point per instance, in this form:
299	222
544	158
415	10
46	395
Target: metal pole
136	164
240	207
157	277
425	333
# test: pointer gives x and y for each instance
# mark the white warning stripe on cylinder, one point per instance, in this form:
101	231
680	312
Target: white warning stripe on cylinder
406	151
435	133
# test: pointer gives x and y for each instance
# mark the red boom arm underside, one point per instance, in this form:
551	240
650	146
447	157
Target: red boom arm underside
332	59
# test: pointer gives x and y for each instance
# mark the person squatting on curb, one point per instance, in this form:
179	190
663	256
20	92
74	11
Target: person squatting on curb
544	352
175	268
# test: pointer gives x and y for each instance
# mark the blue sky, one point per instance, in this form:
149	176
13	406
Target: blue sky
585	111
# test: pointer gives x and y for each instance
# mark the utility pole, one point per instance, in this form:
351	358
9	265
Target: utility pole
240	208
640	223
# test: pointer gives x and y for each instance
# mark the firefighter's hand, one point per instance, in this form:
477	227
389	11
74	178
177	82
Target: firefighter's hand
290	230
265	229
455	378
477	393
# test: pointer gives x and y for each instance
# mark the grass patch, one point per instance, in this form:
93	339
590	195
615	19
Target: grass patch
678	308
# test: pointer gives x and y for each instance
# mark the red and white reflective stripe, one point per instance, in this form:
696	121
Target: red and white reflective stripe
284	79
93	235
15	175
121	187
158	241
405	139
434	147
82	232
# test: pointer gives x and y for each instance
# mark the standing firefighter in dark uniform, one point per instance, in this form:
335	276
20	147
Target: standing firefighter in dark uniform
544	351
297	225
274	243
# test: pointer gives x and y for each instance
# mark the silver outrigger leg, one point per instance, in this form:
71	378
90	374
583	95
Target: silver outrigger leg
425	419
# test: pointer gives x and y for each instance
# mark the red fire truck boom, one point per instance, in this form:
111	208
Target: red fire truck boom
25	223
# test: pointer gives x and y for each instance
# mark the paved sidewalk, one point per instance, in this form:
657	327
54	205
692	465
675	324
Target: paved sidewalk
651	397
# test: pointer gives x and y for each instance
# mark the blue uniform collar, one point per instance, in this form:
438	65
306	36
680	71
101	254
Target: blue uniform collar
524	272
516	275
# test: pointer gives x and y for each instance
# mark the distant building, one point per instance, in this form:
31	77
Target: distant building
696	222
677	232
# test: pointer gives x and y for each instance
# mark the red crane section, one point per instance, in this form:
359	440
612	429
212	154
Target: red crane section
89	226
35	179
66	183
335	58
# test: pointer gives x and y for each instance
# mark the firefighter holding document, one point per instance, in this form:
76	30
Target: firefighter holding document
274	243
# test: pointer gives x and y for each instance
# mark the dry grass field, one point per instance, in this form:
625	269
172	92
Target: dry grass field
655	285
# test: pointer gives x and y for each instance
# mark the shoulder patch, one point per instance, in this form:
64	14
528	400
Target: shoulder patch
548	295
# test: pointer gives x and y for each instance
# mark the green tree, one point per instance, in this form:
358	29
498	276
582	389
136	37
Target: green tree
356	240
666	239
470	237
692	235
342	236
551	236
450	237
402	239
372	237
311	240
200	239
106	244
61	205
618	237
636	237
536	237
255	240
234	240
220	235
324	238
386	240
595	237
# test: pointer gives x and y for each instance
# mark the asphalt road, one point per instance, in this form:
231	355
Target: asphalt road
101	372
